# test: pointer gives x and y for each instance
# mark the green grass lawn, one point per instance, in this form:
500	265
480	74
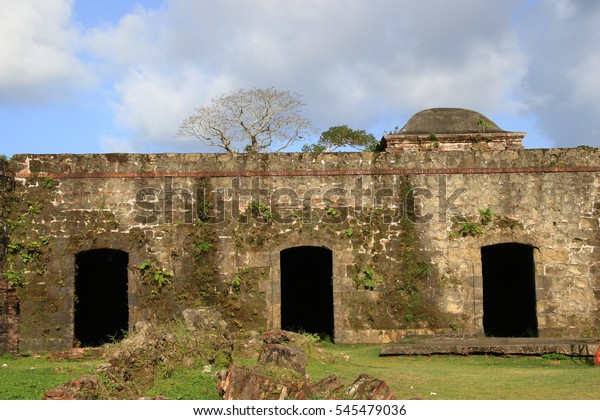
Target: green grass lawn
434	377
188	384
26	378
466	377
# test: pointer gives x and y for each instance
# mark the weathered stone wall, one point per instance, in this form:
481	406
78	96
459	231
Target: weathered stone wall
9	305
392	221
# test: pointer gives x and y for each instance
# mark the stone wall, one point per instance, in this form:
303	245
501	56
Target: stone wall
401	264
9	305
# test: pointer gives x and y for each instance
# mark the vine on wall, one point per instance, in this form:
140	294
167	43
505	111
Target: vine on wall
406	291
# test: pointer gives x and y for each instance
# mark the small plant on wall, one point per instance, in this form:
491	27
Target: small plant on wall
332	212
47	183
260	210
482	124
486	215
201	248
487	218
15	278
25	257
470	229
435	143
366	278
159	278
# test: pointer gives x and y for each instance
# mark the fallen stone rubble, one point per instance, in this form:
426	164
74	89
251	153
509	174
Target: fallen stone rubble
281	375
79	388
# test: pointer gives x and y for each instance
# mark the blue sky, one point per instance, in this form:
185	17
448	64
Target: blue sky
88	76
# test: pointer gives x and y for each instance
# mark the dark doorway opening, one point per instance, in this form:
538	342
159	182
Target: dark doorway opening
307	290
509	290
101	298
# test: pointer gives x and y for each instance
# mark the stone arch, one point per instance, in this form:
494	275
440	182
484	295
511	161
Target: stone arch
65	267
475	282
509	290
307	290
518	236
338	264
101	297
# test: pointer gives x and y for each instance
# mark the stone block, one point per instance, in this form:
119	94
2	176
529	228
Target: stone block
204	319
556	270
284	356
327	387
239	383
554	255
366	387
588	223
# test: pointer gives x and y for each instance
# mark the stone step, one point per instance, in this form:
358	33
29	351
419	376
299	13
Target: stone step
501	346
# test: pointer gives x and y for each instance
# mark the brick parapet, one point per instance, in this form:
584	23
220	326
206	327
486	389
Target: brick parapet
503	140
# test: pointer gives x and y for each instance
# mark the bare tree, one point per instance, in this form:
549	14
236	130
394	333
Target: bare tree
251	121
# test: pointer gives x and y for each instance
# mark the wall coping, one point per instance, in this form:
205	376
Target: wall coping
305	164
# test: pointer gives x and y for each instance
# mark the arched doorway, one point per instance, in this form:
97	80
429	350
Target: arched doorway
307	290
101	296
509	301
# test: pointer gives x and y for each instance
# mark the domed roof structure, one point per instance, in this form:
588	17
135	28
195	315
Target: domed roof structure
449	129
449	121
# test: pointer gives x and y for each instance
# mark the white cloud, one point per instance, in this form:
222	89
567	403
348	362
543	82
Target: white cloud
564	77
562	9
369	64
37	53
153	105
484	80
585	79
355	62
133	42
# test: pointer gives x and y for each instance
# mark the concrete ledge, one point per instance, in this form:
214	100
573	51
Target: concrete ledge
501	346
